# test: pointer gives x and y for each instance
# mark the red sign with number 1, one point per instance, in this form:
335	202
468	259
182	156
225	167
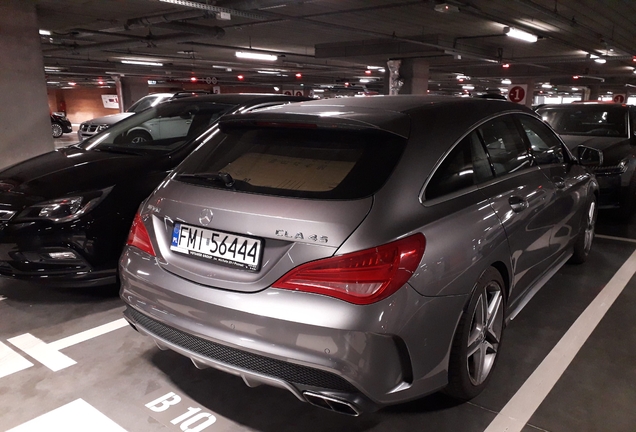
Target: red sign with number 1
516	94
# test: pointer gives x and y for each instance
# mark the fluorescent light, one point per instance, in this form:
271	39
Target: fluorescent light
600	60
546	85
52	68
276	88
365	80
268	72
468	87
575	89
463	77
374	67
256	56
45	32
142	63
319	90
520	34
506	81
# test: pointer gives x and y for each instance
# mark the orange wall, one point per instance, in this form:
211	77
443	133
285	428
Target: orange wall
81	103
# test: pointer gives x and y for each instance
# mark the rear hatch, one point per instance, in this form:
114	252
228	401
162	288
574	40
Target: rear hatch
269	193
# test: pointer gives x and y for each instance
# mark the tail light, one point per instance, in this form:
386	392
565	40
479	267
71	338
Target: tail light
362	277
138	236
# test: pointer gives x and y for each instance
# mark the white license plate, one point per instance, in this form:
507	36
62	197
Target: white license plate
217	246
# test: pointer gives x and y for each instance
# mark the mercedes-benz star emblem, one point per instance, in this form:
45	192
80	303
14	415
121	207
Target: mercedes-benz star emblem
206	217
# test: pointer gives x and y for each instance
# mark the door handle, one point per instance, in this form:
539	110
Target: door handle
517	204
559	182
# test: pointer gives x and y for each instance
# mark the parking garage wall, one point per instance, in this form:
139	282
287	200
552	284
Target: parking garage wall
81	104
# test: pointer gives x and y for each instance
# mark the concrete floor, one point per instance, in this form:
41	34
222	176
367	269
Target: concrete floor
112	378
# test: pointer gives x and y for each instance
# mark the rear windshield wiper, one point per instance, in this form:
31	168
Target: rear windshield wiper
217	177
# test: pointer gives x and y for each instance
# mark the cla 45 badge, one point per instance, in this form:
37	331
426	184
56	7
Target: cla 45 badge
301	236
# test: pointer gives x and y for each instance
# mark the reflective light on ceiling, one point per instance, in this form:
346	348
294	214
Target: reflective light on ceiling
256	56
520	34
141	63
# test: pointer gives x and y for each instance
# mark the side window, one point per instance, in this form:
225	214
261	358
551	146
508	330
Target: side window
466	165
546	147
506	147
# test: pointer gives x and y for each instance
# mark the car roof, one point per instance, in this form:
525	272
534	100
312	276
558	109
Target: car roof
390	113
238	98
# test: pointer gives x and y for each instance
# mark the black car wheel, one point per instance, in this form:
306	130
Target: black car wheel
138	136
57	130
585	237
478	338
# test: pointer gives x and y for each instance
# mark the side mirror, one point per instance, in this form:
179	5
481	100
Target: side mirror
589	156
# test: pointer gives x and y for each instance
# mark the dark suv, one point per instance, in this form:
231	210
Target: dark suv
606	131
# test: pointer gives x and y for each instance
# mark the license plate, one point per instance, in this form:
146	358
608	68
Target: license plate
222	248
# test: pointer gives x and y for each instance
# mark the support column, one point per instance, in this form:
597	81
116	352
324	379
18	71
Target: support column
414	72
25	125
130	90
594	91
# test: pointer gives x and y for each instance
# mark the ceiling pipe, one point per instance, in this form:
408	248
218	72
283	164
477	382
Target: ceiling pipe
165	18
202	30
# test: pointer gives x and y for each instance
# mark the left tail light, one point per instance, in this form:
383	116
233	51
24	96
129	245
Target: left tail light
363	277
138	236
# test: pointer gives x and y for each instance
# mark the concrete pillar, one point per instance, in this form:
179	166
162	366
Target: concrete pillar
25	125
130	90
594	91
414	72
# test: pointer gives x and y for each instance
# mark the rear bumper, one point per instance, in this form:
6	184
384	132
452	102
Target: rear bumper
312	345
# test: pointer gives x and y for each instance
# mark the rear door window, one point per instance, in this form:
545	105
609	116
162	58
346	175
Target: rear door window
297	162
507	149
466	165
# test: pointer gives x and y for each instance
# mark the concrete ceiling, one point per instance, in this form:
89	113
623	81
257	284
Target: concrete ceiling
331	42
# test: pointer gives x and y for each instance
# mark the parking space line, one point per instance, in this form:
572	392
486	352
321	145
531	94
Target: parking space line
11	361
42	352
88	334
624	239
518	411
77	416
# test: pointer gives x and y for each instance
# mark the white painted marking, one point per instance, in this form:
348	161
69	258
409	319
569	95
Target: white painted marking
88	334
624	239
77	416
42	352
514	416
11	361
2	298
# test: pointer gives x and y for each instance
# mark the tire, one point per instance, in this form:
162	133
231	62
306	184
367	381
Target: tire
138	136
478	338
57	130
584	239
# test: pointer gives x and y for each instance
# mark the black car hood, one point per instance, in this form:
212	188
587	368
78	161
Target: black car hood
68	170
614	149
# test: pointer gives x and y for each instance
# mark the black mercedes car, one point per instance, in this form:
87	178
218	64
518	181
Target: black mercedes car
603	135
65	215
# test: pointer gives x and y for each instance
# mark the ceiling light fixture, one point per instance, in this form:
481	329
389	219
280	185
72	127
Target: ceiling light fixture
600	60
520	34
380	67
141	63
575	89
468	87
546	85
193	79
506	81
446	8
276	88
505	65
299	75
365	80
45	32
240	77
256	56
268	72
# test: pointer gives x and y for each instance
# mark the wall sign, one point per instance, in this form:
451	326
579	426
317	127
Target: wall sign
619	98
517	93
110	101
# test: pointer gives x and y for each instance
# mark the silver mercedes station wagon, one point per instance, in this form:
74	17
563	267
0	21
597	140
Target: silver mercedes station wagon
357	252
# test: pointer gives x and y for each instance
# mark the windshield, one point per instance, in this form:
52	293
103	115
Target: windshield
162	128
305	163
592	120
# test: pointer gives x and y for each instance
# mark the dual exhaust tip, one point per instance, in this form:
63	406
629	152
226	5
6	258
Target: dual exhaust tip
332	404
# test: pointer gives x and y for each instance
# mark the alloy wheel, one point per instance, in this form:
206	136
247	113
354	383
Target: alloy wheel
589	227
485	332
57	130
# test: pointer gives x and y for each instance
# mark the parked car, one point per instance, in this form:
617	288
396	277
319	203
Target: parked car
65	215
606	134
60	124
89	128
358	252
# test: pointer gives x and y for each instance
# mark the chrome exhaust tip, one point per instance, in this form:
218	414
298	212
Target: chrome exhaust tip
332	404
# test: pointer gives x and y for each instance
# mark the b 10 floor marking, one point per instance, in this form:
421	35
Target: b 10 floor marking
180	413
47	354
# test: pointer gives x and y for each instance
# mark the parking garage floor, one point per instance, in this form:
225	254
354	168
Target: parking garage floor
69	362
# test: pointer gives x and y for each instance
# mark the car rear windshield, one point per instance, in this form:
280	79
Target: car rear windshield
592	120
305	163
